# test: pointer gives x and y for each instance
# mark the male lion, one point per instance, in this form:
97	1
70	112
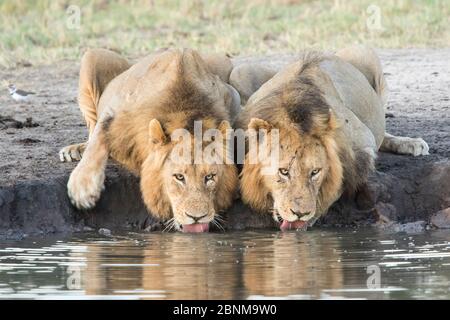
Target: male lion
329	110
131	113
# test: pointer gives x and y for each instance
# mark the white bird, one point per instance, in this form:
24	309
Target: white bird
17	94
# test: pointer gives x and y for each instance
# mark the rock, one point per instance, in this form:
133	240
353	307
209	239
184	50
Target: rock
386	212
441	219
104	232
410	227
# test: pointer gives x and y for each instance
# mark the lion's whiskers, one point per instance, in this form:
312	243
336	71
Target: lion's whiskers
218	224
169	225
218	217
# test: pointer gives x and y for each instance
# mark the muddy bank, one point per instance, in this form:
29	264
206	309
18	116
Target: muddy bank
32	181
41	207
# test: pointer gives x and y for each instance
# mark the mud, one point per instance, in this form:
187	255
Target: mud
9	122
32	180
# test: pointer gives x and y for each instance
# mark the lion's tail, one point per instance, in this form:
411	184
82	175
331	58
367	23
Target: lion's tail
98	68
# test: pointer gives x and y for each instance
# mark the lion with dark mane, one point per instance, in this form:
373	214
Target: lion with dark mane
329	113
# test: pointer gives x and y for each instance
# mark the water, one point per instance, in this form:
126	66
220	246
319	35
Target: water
318	264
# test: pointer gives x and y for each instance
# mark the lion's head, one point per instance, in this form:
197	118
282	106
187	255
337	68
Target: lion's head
189	192
316	163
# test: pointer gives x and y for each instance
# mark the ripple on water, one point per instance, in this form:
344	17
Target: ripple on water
318	264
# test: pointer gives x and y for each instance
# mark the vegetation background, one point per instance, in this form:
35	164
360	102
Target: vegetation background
42	31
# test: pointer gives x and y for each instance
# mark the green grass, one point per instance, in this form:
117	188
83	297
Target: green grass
36	31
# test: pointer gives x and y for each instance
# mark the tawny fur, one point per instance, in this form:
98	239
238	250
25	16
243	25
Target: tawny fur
134	110
296	105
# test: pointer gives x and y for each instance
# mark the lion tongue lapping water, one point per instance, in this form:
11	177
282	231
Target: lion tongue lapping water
195	227
294	225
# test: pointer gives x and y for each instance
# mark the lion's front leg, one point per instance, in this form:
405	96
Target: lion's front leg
404	145
87	180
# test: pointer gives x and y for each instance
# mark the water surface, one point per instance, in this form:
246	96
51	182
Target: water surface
318	264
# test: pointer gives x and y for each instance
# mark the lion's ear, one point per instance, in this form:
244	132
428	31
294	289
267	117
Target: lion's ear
223	127
324	123
333	123
156	132
259	124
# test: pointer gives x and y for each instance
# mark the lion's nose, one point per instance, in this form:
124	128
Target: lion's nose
300	214
196	219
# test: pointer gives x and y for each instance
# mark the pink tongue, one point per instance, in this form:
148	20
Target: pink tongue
298	224
196	227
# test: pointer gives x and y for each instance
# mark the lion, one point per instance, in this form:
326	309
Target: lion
131	112
328	110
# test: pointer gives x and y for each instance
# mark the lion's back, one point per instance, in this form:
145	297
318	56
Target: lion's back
355	94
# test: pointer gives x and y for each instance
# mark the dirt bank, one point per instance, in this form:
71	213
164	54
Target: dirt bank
32	180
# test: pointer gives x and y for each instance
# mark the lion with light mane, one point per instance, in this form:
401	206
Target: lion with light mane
131	112
329	113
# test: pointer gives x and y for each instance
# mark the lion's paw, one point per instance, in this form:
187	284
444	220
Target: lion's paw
85	186
72	153
412	146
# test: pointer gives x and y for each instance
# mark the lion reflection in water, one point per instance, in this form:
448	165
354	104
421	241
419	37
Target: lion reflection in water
180	267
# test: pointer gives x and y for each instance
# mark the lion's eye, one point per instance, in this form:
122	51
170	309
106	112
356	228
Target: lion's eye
283	172
209	177
179	177
315	172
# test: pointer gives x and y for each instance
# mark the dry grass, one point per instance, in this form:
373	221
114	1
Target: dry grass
37	31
